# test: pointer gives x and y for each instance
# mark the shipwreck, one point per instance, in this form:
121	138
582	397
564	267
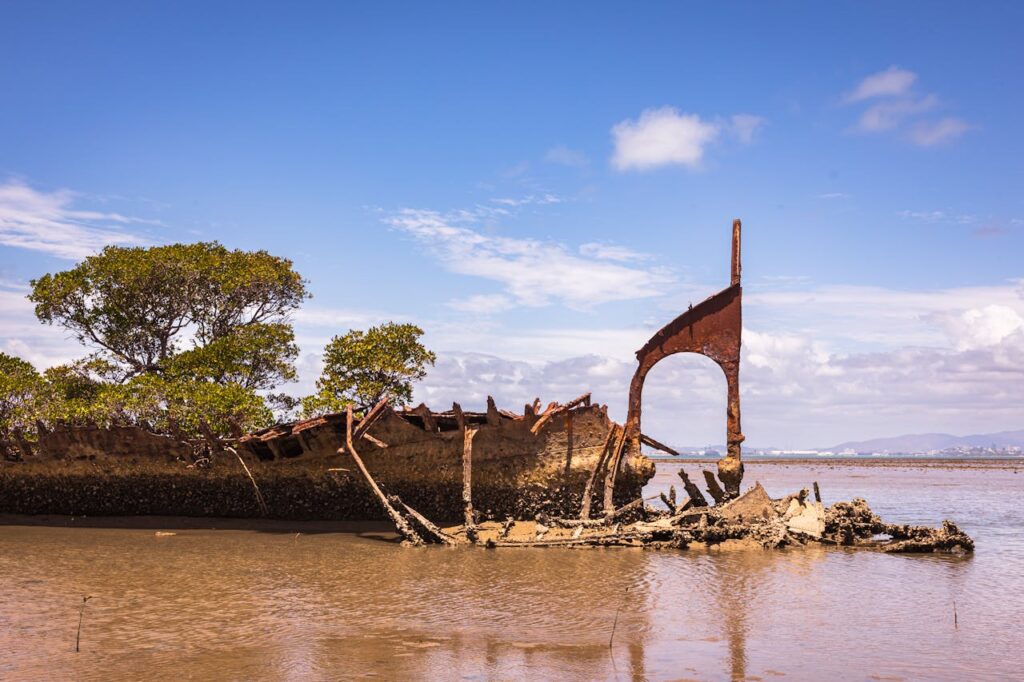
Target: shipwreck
561	474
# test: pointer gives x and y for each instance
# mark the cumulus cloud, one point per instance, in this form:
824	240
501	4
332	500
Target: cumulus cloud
533	272
662	137
51	223
981	327
892	81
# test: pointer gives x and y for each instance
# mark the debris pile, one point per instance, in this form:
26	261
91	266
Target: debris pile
753	516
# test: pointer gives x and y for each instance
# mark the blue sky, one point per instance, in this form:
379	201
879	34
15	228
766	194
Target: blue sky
541	187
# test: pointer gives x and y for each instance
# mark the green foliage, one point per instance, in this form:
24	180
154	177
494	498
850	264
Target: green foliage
181	404
255	356
81	393
136	305
21	391
361	368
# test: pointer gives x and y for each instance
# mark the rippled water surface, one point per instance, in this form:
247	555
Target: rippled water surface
229	604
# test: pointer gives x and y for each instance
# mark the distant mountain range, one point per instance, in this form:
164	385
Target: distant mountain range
923	442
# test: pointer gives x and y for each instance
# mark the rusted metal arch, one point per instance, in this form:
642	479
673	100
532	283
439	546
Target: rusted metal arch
712	328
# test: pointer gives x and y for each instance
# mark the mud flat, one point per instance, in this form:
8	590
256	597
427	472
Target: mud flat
339	600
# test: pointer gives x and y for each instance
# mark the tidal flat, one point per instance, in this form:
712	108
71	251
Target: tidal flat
213	599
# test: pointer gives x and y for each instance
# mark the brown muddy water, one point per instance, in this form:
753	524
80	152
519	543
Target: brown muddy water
286	603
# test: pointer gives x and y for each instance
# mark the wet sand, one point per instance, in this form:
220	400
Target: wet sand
295	600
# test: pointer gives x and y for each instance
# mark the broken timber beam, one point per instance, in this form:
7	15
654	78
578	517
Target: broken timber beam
612	472
558	409
692	490
588	490
647	440
404	529
716	490
372	416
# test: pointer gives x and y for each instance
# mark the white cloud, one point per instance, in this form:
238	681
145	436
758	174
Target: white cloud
532	272
833	195
928	134
662	137
564	156
745	126
892	81
50	223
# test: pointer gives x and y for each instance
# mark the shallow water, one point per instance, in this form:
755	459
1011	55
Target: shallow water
225	604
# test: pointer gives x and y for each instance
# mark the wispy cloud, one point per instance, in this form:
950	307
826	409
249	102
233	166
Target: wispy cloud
930	133
833	195
540	200
51	222
483	304
939	217
533	272
745	126
890	114
564	156
892	81
612	252
898	108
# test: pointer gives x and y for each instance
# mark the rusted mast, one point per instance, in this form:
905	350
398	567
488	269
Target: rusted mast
712	328
730	468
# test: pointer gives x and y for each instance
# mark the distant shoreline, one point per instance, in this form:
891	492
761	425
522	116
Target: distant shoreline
887	461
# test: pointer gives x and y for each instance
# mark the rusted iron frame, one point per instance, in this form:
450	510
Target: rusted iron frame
712	328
